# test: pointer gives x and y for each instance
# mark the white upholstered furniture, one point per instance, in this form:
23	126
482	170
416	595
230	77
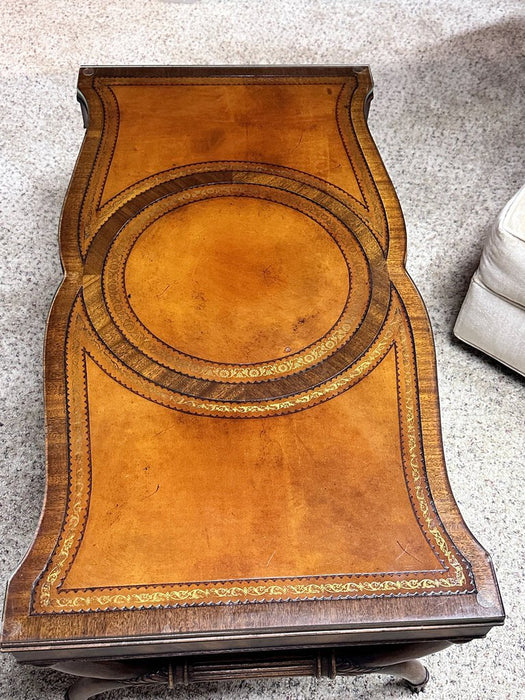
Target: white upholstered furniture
492	317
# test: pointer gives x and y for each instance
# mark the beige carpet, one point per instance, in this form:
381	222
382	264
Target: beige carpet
448	119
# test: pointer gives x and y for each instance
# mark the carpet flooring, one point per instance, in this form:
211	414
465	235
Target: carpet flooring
448	118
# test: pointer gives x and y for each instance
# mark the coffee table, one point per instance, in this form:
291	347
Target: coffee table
245	475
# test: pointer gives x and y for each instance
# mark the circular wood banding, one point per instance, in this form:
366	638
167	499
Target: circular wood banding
360	290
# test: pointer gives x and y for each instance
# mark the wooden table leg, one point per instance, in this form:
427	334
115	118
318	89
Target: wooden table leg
101	676
86	688
413	673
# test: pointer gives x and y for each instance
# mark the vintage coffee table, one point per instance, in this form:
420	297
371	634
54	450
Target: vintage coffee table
245	475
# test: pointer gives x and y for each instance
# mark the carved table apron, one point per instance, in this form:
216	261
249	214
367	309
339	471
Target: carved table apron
245	474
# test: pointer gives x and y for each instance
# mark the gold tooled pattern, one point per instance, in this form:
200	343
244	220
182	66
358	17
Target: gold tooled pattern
78	499
285	365
333	387
264	592
419	482
453	579
215	407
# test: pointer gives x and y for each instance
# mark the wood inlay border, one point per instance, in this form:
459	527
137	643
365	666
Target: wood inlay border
455	577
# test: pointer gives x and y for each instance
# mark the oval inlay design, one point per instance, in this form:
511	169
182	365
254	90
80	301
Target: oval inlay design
237	280
311	246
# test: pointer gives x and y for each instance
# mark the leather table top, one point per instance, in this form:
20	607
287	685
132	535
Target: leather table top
242	421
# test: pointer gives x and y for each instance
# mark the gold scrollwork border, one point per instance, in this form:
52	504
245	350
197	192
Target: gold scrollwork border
456	577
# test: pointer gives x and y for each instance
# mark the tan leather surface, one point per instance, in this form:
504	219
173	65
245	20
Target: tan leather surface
242	411
165	126
237	280
198	499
